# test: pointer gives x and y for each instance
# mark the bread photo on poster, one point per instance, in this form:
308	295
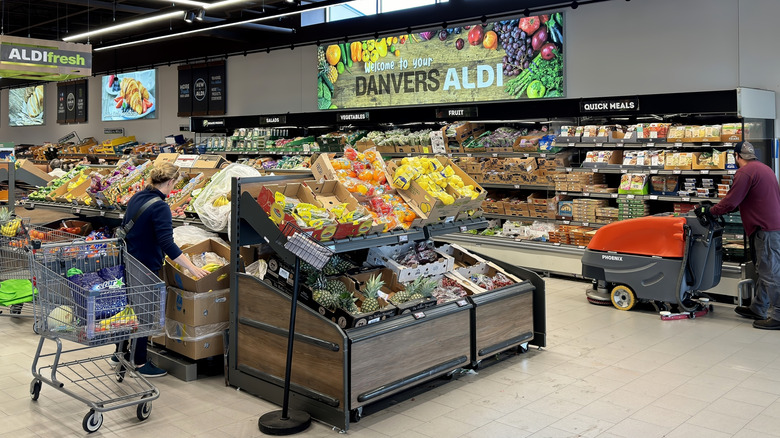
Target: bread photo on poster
25	106
129	96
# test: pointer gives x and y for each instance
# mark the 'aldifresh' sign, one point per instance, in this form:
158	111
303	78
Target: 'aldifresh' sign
27	58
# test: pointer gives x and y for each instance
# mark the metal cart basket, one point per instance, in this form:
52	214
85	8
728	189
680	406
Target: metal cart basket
95	294
15	242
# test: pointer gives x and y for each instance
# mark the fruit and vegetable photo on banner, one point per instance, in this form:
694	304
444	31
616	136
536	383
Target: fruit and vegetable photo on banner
520	58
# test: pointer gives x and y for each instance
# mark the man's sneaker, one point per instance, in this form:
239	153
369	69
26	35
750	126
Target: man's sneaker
114	359
747	312
149	370
767	324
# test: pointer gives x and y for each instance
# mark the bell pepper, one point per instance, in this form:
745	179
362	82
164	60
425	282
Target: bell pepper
529	25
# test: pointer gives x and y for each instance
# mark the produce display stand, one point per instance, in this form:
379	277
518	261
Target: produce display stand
335	371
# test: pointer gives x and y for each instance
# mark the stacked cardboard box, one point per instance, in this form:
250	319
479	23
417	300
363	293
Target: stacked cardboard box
197	311
584	210
575	182
632	208
606	215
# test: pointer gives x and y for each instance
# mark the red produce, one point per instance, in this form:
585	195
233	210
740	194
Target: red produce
529	25
548	51
540	37
475	35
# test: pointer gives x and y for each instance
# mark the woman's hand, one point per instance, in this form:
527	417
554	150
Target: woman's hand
199	272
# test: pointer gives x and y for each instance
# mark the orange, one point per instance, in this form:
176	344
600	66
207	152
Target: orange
333	54
490	41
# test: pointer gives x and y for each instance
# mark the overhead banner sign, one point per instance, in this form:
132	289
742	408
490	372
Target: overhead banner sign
609	105
72	102
45	60
202	89
520	58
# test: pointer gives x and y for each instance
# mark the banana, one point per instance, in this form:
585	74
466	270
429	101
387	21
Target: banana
211	267
221	201
123	318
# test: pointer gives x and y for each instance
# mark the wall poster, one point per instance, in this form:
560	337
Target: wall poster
519	58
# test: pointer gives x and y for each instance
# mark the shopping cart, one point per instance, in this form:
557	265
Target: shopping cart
95	294
16	291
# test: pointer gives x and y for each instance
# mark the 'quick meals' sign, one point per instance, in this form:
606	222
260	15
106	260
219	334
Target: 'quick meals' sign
32	55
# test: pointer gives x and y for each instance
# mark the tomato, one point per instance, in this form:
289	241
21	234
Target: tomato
529	25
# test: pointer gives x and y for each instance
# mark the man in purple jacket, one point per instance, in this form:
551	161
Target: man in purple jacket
756	192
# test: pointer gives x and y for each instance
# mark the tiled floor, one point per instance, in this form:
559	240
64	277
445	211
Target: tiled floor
605	373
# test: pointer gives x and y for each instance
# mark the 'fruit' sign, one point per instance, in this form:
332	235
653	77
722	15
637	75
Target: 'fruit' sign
511	59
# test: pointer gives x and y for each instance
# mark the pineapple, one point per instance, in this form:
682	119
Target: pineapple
333	74
5	215
425	289
337	266
335	287
419	288
325	298
371	292
346	300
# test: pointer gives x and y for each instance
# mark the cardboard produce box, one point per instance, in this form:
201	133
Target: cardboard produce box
196	309
208	346
333	193
296	192
219	279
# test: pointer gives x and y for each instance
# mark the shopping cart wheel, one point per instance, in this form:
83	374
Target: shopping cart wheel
37	328
623	298
92	421
144	410
35	389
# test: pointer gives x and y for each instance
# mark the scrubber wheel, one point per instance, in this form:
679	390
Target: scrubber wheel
623	298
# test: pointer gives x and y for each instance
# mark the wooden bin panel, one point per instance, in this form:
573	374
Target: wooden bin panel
398	354
315	367
502	320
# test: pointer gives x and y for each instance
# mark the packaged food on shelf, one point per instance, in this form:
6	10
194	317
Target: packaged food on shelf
678	160
411	260
633	183
709	160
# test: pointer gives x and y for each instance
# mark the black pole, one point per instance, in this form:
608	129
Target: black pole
286	422
291	339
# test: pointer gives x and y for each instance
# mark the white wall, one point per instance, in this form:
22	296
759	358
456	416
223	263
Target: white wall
613	48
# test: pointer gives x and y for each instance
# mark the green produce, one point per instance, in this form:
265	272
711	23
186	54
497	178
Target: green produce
549	73
536	89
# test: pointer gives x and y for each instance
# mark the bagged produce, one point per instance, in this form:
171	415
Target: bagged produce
212	205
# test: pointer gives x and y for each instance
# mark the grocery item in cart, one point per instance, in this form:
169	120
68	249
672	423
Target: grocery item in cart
109	282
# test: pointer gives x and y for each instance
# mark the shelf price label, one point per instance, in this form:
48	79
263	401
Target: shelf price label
403	238
102	213
77	210
557	244
543	155
630	196
449	155
564	193
654	171
463	228
517	186
595	170
418	315
705	172
568	169
623	170
686	199
495	155
586	224
598	145
283	273
678	144
468	155
613	195
650	145
462	303
677	171
586	194
121	215
572	144
653	197
566	222
580	246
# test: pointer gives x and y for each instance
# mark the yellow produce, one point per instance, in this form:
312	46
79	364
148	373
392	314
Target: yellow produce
333	54
381	47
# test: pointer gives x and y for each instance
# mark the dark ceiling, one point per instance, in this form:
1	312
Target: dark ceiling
58	19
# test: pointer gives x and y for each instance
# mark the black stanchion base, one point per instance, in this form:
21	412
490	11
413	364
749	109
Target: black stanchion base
272	423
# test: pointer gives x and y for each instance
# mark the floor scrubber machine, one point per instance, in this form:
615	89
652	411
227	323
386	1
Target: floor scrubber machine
662	259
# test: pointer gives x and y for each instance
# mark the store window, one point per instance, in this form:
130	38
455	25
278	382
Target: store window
362	8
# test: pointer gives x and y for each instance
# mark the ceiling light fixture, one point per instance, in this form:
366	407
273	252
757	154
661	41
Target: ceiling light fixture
199	14
189	16
124	25
210	28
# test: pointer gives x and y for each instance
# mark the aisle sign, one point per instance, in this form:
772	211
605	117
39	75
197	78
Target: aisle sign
467	112
475	63
630	104
273	120
354	117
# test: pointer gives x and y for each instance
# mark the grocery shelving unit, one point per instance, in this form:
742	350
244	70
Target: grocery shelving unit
336	372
